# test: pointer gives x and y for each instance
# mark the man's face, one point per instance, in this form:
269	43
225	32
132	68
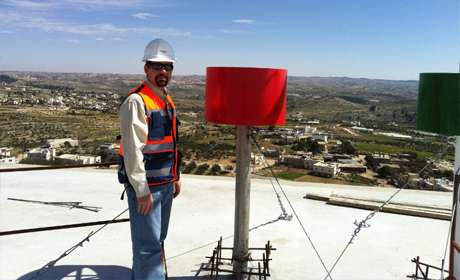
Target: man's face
159	78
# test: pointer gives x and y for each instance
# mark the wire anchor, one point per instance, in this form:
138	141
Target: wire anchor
50	264
371	215
284	215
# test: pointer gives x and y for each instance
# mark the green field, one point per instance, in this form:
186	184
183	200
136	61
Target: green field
289	175
364	147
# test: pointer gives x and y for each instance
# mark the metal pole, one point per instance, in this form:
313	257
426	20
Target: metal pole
242	202
456	255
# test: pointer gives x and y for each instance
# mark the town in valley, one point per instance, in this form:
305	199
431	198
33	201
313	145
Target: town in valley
338	130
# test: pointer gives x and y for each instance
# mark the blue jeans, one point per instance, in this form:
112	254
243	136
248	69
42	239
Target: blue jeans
148	231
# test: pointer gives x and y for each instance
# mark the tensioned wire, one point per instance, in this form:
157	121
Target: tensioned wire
50	264
363	222
293	210
45	268
454	209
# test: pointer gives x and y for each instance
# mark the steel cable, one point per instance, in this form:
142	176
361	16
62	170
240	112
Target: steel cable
363	222
454	209
50	264
297	217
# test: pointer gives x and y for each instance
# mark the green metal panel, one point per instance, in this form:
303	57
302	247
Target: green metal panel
439	103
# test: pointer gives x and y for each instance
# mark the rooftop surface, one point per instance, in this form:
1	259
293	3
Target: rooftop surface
204	212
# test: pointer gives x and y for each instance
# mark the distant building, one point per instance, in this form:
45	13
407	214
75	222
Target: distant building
295	161
256	159
381	157
310	162
334	147
304	129
329	170
353	167
395	135
319	136
7	159
41	154
442	185
58	143
5	151
302	161
68	159
287	139
110	149
276	152
368	130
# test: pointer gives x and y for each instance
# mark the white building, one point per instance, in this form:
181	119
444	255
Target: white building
69	159
442	185
304	129
369	130
7	159
309	163
41	154
256	159
5	151
287	139
319	136
275	152
323	169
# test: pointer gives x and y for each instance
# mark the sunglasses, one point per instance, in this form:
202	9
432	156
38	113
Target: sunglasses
158	66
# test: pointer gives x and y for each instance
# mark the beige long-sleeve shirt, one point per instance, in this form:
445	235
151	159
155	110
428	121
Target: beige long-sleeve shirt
134	131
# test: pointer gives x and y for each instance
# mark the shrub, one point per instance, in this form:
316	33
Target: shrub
215	167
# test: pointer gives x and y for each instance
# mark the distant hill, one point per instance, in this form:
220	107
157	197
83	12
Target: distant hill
326	98
385	89
7	79
330	108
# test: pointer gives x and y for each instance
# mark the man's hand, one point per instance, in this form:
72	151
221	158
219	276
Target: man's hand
145	204
176	185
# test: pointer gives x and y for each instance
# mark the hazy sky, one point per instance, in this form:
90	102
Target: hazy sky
378	39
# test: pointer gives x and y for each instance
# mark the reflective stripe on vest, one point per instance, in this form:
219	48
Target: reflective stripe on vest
160	154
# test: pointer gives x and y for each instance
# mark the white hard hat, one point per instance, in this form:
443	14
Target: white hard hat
159	50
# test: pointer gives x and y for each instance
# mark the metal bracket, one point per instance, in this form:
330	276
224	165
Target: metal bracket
216	262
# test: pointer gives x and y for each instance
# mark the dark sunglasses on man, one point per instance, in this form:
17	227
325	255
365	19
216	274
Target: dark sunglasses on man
158	66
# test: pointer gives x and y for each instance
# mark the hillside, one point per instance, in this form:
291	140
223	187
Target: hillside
371	101
365	89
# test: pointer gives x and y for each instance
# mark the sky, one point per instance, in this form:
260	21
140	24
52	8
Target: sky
375	39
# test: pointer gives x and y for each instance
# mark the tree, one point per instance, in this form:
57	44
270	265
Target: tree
371	162
385	171
67	144
347	148
103	155
308	144
189	167
215	168
201	169
315	147
299	145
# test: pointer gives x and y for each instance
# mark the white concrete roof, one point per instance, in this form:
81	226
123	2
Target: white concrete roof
202	214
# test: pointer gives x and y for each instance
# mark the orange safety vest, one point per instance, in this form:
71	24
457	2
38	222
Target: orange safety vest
161	158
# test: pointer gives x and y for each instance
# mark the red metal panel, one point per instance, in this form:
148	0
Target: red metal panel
245	96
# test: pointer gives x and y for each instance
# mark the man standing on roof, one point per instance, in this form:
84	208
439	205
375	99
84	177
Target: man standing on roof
149	162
